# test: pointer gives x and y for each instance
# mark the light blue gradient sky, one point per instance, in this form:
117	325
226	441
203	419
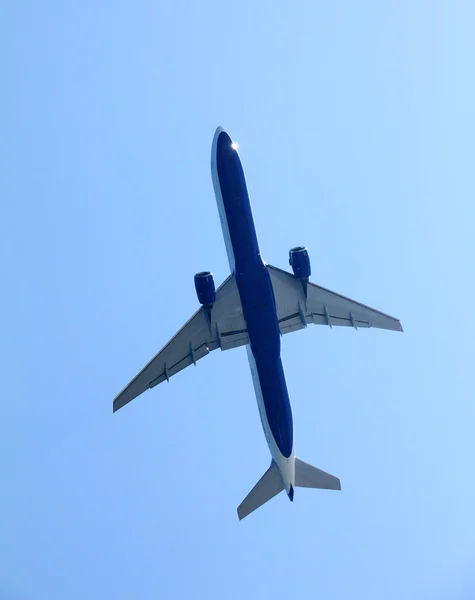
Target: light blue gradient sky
356	128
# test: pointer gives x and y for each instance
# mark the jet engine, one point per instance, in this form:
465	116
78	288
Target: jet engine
300	263
205	290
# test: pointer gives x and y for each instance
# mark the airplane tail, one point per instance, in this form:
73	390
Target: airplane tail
270	484
311	477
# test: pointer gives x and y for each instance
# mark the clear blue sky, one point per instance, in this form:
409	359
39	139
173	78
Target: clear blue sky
356	126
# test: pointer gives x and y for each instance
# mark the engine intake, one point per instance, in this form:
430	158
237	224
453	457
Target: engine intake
205	290
300	262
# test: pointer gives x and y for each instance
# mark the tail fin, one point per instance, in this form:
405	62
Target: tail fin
268	486
311	477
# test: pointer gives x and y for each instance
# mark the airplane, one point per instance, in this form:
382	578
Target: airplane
254	307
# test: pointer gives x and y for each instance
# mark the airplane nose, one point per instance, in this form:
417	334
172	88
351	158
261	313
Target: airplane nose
224	141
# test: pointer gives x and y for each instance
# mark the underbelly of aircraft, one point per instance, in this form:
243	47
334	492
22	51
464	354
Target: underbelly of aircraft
259	308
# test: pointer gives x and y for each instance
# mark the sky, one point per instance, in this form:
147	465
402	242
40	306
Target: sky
355	125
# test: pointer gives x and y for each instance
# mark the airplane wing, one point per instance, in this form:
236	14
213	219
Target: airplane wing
225	329
321	306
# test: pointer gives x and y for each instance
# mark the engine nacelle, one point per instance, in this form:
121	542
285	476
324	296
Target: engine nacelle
205	290
300	262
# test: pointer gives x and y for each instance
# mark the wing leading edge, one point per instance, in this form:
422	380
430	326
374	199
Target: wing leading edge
321	307
225	328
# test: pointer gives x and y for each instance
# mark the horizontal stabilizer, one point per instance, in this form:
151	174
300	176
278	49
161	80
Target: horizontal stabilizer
311	477
268	486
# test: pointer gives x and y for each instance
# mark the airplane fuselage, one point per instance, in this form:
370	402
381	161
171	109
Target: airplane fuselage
258	304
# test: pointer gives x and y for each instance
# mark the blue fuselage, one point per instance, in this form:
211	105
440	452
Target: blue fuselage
256	291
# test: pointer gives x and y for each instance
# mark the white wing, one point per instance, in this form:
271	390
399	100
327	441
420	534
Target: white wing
321	306
198	337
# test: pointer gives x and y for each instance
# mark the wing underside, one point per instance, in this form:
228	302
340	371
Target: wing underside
295	309
224	327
